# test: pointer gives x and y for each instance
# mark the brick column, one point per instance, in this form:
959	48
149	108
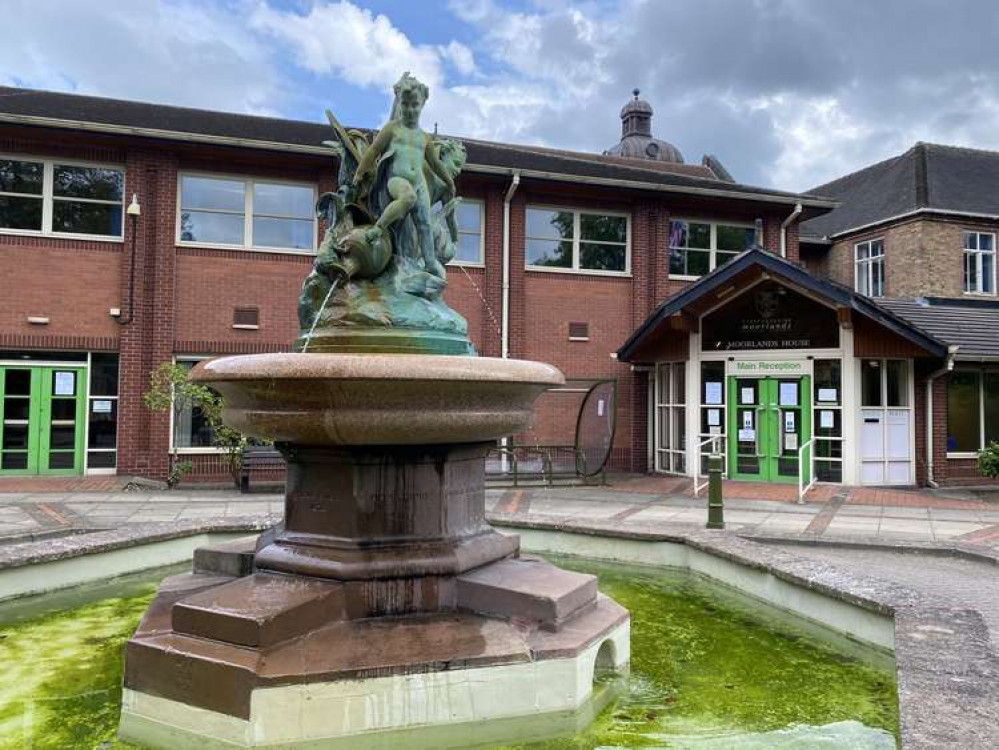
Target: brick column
492	278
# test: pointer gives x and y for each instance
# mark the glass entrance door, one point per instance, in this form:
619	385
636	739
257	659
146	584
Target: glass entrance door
770	418
41	420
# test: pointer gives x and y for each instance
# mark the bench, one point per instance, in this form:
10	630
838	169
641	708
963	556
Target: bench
258	458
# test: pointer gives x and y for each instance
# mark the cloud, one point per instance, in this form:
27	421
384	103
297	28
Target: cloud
173	52
350	42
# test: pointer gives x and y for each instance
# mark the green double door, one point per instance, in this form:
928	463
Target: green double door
769	421
42	413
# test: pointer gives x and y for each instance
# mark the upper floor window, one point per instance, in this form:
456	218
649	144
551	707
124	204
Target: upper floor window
469	220
53	197
577	240
251	214
979	263
699	247
869	262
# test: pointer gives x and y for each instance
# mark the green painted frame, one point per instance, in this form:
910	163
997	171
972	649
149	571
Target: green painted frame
768	425
39	420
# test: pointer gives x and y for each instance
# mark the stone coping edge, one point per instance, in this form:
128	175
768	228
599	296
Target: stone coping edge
960	550
124	537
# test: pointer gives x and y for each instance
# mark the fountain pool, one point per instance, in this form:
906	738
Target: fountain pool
710	669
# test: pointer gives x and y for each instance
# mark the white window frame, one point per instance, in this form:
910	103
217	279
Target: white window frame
712	250
982	371
481	262
976	257
869	262
190	451
248	183
576	213
671	414
48	198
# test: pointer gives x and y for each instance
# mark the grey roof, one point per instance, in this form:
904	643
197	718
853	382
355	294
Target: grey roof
971	325
51	109
927	177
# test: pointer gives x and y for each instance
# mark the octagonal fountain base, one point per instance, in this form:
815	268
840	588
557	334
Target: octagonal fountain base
383	602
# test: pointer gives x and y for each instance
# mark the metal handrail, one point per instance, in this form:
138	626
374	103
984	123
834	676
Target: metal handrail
697	467
802	487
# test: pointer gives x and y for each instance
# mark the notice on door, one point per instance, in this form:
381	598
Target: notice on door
65	384
747	396
714	417
788	394
789	421
712	393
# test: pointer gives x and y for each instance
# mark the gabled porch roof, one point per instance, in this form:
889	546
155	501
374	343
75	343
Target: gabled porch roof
675	313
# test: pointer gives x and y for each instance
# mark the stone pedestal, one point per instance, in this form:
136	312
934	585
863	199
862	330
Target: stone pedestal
383	603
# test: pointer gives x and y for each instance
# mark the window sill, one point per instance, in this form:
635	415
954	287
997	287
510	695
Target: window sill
962	454
579	338
986	295
580	272
243	248
62	235
244	327
464	264
683	277
197	451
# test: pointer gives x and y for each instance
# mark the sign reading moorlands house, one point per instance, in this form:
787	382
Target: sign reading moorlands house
770	316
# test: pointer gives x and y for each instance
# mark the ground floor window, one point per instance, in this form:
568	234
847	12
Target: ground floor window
827	410
190	428
671	431
712	421
102	412
972	410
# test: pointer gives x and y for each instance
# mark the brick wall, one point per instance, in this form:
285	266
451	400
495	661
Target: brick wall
923	257
183	297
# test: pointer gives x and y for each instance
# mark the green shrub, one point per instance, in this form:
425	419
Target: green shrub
988	461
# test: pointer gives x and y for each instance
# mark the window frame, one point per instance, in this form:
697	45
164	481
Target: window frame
982	372
248	183
48	197
481	262
977	255
712	250
869	262
577	240
190	450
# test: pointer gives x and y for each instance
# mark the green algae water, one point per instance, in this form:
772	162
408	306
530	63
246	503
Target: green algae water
709	672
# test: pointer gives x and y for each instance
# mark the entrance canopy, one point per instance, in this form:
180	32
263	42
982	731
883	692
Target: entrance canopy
787	309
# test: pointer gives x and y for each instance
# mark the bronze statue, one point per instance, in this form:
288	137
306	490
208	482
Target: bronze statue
390	230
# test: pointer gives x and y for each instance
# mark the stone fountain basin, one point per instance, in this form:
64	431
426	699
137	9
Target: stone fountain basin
376	399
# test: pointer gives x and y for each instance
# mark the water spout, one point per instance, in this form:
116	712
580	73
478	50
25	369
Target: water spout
334	283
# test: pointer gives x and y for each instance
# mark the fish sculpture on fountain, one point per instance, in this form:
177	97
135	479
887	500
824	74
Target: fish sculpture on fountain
377	281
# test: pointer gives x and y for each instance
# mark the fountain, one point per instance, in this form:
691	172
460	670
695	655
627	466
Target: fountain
384	601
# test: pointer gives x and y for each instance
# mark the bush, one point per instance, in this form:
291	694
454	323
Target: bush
170	387
988	461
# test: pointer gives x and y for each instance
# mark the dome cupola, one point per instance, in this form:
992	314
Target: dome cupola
637	141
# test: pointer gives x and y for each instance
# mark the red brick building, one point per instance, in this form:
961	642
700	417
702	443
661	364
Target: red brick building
564	257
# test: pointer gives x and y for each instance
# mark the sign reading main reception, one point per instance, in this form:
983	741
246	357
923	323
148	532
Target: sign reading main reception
770	316
760	368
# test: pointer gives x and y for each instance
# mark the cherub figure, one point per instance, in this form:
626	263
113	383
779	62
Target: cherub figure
406	149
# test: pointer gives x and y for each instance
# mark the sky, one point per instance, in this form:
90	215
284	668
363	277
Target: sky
786	93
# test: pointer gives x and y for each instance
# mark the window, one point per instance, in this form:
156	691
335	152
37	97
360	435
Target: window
699	247
246	213
671	428
102	412
972	410
38	195
469	220
979	263
827	419
576	240
190	429
869	258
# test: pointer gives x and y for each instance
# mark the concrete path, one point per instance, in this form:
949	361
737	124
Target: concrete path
960	520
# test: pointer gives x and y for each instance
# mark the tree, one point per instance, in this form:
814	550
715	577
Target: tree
171	388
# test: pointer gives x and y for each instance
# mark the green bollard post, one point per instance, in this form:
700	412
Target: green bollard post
716	518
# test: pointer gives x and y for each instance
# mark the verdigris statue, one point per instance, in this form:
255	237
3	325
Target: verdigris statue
377	281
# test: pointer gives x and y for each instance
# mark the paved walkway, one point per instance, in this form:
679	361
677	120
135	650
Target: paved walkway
834	513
